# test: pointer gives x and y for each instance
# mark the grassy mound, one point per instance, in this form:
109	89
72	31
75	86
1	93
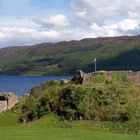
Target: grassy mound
115	101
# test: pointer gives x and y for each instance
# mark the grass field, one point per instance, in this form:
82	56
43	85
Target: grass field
47	129
44	133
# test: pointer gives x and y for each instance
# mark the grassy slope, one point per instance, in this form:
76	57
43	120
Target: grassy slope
65	57
43	129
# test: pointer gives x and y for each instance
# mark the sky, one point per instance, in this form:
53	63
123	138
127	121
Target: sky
27	22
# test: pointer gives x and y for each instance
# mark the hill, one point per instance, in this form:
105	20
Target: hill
63	58
94	101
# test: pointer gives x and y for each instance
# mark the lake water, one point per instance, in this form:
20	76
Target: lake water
22	85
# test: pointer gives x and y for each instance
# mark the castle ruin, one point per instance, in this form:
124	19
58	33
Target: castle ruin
85	78
7	100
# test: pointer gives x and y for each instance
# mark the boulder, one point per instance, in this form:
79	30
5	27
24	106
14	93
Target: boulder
79	77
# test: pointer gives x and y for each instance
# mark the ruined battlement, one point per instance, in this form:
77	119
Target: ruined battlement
7	100
84	78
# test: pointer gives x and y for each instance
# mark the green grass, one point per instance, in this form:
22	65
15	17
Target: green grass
115	76
99	78
8	119
44	133
48	128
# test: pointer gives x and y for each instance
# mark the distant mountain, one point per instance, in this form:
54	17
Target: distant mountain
64	58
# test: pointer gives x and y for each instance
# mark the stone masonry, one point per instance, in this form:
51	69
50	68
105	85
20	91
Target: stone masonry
7	100
84	78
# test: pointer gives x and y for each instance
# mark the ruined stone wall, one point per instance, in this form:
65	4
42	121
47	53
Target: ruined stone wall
7	101
85	78
12	100
133	77
3	106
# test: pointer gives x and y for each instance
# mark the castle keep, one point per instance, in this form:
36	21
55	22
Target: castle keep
7	100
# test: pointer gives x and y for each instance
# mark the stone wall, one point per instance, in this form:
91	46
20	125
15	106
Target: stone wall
7	101
3	106
133	77
12	100
85	78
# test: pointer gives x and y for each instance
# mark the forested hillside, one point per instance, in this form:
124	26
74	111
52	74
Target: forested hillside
63	58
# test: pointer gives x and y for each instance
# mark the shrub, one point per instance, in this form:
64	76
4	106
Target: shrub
110	102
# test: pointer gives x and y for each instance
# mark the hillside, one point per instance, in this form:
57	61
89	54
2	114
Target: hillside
63	58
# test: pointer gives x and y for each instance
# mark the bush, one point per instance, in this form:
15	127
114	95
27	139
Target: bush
131	127
52	82
111	102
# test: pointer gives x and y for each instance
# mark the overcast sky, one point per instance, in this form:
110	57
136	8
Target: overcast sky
25	22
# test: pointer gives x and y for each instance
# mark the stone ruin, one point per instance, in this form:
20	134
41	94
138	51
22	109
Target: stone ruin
7	100
79	77
85	78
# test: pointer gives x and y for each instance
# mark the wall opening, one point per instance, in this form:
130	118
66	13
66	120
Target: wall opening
2	98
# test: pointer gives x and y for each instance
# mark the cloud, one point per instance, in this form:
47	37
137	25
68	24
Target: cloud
87	18
102	10
21	36
51	21
127	24
93	18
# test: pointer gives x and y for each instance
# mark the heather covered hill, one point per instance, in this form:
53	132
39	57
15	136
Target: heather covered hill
112	53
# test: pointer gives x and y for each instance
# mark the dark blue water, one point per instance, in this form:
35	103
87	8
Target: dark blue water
22	84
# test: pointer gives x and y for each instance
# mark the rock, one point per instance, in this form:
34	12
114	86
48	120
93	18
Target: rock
7	100
78	77
64	81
